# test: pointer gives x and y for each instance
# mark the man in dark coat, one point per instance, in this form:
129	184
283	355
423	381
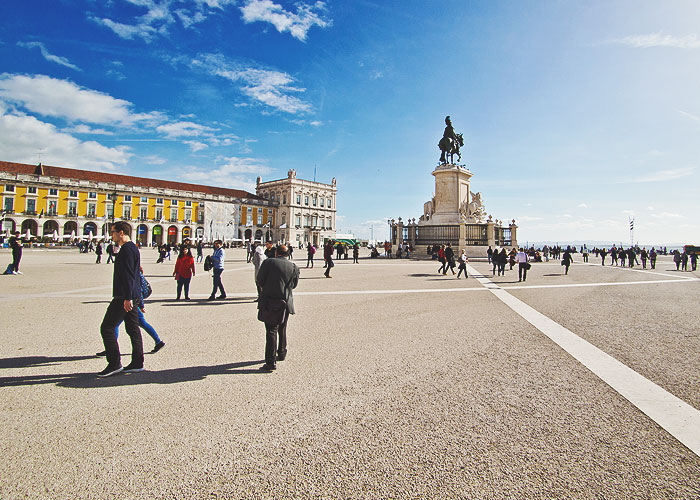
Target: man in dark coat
126	288
16	247
276	280
328	257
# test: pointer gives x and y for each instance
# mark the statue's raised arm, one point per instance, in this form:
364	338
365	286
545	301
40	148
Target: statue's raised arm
450	143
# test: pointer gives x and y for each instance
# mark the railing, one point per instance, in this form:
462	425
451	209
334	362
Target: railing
442	235
30	212
476	234
52	213
8	211
503	236
173	219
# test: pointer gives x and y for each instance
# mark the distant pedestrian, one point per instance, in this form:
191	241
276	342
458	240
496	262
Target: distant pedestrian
463	264
217	259
277	278
644	256
258	258
310	251
16	246
522	260
200	251
126	286
489	254
184	270
684	261
566	260
622	254
98	252
495	261
450	257
603	252
442	260
110	253
356	253
677	259
613	256
328	257
652	258
502	261
269	249
693	261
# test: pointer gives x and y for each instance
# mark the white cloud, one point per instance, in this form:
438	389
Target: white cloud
268	87
582	205
375	75
690	115
666	215
48	56
196	145
659	40
21	135
237	173
63	99
527	218
84	129
297	24
154	160
183	129
650	208
666	175
628	212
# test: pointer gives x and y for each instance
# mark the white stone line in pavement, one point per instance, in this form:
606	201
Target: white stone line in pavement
490	284
673	414
655	273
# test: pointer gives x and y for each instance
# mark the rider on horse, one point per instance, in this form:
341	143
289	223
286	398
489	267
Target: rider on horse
449	144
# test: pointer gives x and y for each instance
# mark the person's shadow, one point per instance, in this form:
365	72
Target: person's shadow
90	380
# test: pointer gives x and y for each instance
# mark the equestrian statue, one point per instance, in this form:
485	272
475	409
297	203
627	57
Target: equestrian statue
450	143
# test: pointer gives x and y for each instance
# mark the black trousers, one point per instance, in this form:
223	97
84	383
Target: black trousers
16	257
116	314
522	271
310	260
273	345
329	265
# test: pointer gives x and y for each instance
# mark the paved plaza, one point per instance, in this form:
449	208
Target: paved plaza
399	383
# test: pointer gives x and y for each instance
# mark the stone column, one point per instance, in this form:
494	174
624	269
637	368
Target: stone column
491	233
513	234
399	232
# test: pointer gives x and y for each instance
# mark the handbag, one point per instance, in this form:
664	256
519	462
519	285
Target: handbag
528	266
146	289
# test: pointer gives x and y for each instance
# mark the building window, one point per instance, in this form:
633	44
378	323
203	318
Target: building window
322	202
314	200
159	214
110	212
127	197
92	195
53	192
92	210
127	213
144	213
306	200
9	205
159	201
329	203
31	206
298	224
201	217
306	220
298	199
9	188
73	194
188	203
53	207
249	217
173	202
330	226
173	215
144	199
284	199
260	217
188	215
73	208
31	190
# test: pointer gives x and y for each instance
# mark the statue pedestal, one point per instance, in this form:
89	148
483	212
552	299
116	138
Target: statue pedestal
451	194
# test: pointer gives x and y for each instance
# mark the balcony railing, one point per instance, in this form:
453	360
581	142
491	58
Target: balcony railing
52	213
30	212
10	211
173	219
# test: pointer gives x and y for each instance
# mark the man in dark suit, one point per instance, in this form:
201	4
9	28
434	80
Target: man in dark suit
276	280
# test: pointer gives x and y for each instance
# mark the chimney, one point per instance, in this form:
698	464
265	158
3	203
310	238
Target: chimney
39	170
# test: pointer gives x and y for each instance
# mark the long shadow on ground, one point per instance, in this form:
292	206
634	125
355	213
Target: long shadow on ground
173	376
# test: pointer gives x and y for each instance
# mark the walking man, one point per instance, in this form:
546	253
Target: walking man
217	260
521	258
328	257
16	247
310	251
126	283
276	280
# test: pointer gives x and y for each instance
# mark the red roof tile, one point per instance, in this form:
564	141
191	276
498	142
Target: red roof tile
87	175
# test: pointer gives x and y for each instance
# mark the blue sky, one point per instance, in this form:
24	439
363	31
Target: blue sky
576	115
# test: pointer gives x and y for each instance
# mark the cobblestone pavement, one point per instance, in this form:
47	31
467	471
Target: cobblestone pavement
399	383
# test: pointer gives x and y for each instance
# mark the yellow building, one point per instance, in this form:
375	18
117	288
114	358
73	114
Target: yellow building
53	202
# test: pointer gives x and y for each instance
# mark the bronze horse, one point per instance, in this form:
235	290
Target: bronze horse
449	147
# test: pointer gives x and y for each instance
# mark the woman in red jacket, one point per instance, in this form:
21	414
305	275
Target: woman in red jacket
184	270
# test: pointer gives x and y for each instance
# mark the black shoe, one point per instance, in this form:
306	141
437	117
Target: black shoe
187	298
110	370
221	297
281	356
101	354
132	368
158	347
211	297
268	368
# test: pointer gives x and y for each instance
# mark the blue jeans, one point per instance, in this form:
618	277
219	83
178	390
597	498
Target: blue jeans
142	323
217	282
